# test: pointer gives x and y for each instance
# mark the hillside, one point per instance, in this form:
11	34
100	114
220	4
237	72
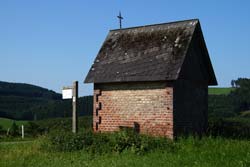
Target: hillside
6	123
21	101
26	90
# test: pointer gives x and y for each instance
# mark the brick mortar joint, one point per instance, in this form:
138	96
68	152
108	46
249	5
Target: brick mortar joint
98	103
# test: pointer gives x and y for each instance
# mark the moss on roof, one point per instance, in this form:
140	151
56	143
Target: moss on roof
147	53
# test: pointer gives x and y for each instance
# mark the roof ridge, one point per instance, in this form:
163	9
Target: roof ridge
149	56
173	22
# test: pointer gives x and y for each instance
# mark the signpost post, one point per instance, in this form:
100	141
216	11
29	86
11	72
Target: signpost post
74	103
71	92
22	132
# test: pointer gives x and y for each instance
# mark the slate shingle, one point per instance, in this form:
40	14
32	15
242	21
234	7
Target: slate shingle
147	53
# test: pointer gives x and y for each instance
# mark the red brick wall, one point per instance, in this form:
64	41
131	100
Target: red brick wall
148	106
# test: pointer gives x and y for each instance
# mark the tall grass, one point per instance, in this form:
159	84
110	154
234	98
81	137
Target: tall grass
207	152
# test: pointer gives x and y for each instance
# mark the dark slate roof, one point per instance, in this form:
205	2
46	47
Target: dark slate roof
146	53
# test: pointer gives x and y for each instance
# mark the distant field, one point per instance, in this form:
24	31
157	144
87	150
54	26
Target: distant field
219	91
6	123
85	122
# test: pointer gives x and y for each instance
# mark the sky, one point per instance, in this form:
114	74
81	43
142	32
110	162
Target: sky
51	43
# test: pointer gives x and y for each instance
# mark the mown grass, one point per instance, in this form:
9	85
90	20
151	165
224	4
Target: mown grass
219	91
6	123
207	152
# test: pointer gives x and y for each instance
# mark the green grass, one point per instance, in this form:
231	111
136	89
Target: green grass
6	123
219	91
245	114
208	152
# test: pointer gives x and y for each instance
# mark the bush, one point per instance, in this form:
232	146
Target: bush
2	131
126	139
220	106
33	129
88	141
230	128
64	124
149	143
14	131
100	143
65	142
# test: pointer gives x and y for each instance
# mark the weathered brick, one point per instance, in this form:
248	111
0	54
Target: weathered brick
149	105
156	108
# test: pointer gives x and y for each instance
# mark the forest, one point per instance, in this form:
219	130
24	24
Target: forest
28	102
21	101
234	103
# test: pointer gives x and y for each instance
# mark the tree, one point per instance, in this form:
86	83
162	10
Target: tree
233	83
241	95
33	129
14	130
1	130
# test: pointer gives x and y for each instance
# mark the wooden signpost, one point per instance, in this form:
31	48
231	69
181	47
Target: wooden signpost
71	92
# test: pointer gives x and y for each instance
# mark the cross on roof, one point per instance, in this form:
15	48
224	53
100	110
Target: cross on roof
120	19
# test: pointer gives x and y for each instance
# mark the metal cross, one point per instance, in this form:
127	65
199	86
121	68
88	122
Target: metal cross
120	19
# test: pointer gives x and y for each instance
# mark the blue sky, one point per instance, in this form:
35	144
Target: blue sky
51	43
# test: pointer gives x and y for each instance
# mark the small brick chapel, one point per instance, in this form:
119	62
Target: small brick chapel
153	78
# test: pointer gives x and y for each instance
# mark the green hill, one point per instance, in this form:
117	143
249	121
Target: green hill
21	101
6	123
26	90
219	91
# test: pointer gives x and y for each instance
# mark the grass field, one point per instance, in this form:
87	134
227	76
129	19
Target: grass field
207	152
219	91
6	123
